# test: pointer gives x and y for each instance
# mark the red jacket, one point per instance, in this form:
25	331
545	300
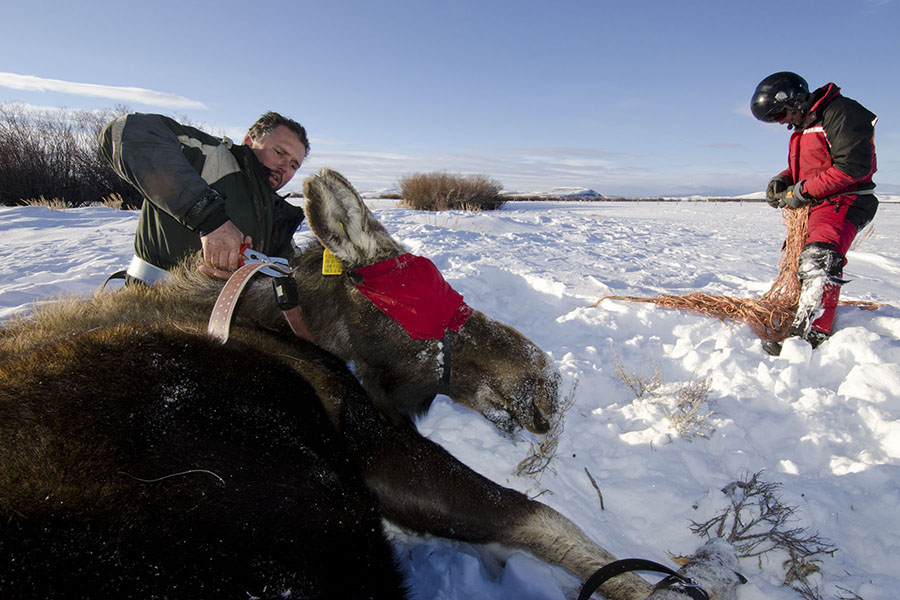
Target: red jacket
833	150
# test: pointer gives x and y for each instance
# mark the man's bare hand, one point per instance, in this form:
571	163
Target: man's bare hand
222	250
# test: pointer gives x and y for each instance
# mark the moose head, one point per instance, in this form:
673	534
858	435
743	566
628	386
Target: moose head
482	364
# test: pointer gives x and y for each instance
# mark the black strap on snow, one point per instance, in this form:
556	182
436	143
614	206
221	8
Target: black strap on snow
675	581
117	275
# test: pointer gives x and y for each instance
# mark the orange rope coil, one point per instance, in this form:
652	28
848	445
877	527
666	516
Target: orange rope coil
769	316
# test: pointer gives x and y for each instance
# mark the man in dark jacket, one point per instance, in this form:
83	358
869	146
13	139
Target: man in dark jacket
830	167
206	193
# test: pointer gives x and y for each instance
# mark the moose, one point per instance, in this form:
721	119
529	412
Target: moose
141	458
492	368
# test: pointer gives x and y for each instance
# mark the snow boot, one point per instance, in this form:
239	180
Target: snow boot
772	347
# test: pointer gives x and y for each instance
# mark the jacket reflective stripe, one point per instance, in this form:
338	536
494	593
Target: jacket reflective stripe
818	129
218	161
116	131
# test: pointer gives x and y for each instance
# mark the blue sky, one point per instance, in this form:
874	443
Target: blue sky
632	98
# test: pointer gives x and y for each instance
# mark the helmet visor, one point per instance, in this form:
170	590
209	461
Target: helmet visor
777	114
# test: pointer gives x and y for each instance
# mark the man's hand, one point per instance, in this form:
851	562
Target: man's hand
222	250
776	189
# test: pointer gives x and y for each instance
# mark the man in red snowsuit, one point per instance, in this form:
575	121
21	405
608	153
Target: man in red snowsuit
830	167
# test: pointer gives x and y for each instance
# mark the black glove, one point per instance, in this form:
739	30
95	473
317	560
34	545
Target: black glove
778	185
795	198
792	197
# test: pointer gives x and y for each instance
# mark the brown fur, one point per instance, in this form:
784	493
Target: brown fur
141	461
417	484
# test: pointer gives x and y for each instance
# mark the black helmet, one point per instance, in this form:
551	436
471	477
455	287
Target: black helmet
777	93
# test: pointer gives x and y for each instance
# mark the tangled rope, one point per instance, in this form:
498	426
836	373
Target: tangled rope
769	316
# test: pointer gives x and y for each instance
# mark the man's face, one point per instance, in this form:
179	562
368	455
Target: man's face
281	151
791	117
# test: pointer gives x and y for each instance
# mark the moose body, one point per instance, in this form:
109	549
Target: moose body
140	458
136	451
141	461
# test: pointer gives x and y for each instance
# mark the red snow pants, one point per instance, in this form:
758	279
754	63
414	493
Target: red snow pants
827	223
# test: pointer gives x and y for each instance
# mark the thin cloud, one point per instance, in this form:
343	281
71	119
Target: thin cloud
517	169
537	170
134	95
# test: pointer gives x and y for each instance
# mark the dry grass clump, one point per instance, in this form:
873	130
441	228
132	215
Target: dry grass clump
51	203
446	191
113	201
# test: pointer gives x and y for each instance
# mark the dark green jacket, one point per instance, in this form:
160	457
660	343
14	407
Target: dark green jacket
173	167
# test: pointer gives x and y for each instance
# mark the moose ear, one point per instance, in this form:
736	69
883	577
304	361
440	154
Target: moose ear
343	223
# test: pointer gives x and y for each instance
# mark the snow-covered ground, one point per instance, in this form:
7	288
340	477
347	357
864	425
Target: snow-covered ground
823	424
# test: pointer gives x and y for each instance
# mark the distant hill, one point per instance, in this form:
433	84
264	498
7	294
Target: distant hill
557	192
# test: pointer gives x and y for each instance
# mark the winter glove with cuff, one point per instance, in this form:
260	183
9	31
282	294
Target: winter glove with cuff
792	197
795	198
775	190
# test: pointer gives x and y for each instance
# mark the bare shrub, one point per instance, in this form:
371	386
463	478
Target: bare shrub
688	399
53	153
757	523
689	418
596	487
445	191
640	383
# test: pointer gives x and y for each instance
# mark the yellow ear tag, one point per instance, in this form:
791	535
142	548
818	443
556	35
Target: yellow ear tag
330	264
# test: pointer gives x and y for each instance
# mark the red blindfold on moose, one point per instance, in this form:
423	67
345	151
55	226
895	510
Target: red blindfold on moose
410	290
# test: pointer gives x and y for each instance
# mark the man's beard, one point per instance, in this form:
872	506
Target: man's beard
273	178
